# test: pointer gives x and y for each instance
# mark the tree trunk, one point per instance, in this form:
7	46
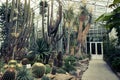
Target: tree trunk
43	32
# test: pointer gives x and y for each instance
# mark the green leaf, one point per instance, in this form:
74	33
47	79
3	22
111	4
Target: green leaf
116	1
104	17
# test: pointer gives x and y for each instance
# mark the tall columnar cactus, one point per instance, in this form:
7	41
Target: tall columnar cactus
38	70
9	74
60	59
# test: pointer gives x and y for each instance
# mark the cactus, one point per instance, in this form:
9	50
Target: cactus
9	74
23	74
38	70
54	70
48	69
60	59
12	62
31	56
25	61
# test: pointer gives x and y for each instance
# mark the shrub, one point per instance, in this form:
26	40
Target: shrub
116	64
69	63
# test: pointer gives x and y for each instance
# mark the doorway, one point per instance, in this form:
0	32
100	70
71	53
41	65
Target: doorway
96	50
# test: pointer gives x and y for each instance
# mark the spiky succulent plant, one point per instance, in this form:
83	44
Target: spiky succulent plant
24	74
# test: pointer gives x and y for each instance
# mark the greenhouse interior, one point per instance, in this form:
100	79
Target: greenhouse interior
59	39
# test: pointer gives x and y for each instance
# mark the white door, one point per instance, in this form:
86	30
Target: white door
96	50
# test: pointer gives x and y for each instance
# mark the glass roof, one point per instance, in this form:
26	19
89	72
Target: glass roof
98	6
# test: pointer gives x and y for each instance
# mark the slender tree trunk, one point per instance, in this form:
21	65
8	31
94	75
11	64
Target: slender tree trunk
43	32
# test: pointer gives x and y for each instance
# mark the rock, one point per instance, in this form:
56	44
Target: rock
85	61
61	77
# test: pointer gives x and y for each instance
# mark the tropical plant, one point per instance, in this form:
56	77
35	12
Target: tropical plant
112	19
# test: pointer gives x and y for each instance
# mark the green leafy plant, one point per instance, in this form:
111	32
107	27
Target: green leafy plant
112	19
116	64
69	63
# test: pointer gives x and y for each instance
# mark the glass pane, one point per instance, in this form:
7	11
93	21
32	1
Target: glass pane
99	48
93	48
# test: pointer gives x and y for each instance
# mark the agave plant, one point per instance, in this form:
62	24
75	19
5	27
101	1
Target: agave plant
24	74
43	50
